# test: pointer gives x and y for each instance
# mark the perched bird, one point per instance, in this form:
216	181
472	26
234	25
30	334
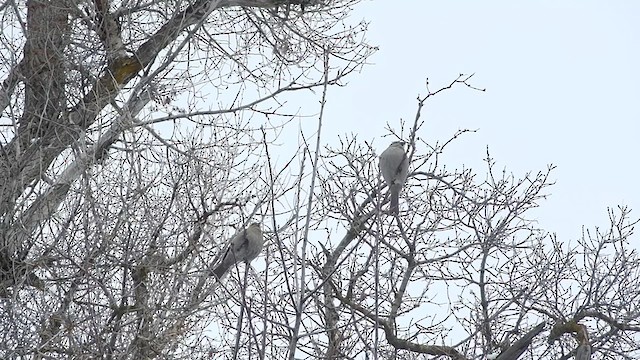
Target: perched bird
583	351
394	166
244	246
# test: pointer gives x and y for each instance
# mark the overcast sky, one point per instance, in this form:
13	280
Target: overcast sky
563	88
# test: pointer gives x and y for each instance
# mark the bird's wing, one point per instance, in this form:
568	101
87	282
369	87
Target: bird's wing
241	242
390	163
231	254
255	241
403	166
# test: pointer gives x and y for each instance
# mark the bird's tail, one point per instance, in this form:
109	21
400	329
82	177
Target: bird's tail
394	191
220	270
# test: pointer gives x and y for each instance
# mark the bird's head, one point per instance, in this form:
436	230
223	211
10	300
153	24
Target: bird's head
398	143
255	225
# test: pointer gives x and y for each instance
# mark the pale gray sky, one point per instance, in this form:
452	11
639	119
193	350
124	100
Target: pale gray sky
563	87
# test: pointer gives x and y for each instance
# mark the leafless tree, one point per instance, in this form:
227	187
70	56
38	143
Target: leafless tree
133	139
463	272
138	136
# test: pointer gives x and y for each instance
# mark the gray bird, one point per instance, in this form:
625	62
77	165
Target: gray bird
244	246
583	352
394	165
